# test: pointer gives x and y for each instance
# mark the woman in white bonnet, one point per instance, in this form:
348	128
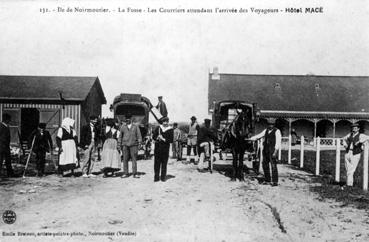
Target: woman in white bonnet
66	140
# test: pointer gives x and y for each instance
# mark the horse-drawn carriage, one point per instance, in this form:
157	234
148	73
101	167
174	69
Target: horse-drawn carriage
139	107
235	122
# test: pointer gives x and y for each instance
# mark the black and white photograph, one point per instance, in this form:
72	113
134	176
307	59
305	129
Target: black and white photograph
162	120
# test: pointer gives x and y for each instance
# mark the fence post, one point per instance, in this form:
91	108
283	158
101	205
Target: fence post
302	144
317	163
314	142
338	159
289	149
261	154
365	167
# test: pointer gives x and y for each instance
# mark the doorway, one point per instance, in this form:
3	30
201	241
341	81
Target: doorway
30	118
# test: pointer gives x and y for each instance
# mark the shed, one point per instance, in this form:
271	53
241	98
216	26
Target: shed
49	99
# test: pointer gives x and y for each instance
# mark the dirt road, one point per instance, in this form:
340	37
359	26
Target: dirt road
189	206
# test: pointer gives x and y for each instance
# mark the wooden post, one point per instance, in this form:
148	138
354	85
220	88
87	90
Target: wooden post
261	155
365	167
317	163
289	148
1	115
338	159
302	142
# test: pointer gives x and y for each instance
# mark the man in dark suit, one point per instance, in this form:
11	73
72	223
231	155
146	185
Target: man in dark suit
42	143
5	145
272	143
88	142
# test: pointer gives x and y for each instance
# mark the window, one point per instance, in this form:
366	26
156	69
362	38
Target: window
277	86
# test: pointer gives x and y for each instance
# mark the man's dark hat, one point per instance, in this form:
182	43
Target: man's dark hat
193	118
271	121
42	125
160	96
110	122
164	119
355	125
92	117
207	120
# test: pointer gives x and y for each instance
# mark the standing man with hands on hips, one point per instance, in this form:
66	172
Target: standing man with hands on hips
353	144
272	143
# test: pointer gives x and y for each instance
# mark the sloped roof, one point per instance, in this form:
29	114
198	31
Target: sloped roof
31	88
293	92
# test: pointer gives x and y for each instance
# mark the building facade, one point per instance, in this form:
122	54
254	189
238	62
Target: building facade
30	100
313	106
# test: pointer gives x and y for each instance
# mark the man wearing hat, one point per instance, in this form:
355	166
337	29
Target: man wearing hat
272	143
353	144
162	107
89	138
163	136
205	137
129	140
42	143
192	138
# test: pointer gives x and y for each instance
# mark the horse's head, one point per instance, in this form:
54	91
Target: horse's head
240	126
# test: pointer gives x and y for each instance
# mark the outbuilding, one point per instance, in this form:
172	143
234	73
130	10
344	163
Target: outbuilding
30	100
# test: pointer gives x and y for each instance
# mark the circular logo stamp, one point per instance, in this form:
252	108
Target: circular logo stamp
9	217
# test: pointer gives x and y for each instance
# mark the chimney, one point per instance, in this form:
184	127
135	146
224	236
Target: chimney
215	75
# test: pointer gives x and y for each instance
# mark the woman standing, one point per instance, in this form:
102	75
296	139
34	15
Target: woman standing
67	140
110	155
163	136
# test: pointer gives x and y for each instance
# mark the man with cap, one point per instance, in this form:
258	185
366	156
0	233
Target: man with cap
353	143
5	145
205	137
40	140
88	143
129	140
162	107
272	143
163	136
193	130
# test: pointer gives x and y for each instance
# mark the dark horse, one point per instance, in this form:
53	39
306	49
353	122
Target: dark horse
235	138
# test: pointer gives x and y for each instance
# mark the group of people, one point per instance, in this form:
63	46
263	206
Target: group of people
200	142
352	142
122	142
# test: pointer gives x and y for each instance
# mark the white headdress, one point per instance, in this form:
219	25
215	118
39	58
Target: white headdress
67	123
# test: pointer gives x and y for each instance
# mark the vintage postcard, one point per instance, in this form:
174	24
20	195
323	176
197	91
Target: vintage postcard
184	120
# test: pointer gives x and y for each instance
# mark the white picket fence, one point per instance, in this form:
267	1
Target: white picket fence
317	145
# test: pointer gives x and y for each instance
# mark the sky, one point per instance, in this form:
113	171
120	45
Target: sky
171	54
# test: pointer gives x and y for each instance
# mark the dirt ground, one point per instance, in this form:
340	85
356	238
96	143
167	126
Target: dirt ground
189	206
